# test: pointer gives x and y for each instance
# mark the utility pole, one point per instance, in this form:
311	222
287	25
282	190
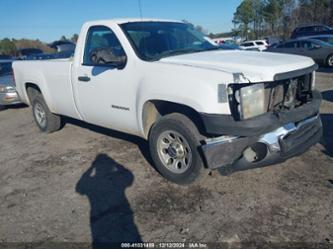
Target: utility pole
331	15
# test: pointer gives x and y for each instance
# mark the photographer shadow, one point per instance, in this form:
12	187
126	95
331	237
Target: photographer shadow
111	217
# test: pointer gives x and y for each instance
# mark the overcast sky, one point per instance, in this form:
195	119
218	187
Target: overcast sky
48	20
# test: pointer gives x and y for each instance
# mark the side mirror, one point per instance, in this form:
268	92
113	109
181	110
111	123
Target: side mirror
106	57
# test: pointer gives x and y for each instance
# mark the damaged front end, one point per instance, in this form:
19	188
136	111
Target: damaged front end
270	123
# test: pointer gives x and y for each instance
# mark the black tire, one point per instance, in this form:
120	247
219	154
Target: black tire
329	61
188	132
52	121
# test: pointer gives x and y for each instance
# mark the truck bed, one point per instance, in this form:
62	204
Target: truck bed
54	79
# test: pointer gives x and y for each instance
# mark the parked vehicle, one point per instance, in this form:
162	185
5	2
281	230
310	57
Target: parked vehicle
324	38
60	55
197	105
311	30
8	94
227	46
63	46
319	51
5	57
259	45
26	52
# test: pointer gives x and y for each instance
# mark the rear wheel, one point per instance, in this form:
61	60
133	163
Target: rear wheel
329	61
174	141
45	120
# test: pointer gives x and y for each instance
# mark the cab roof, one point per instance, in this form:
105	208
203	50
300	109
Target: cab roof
130	20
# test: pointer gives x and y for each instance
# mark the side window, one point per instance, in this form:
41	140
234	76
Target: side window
291	45
307	44
99	37
320	28
248	44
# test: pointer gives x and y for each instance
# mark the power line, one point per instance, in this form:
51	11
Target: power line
140	8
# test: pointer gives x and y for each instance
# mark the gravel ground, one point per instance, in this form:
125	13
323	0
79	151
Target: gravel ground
85	183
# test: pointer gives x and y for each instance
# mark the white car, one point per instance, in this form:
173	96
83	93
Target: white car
198	106
258	45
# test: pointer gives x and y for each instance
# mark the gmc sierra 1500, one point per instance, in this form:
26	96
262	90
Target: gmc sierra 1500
198	106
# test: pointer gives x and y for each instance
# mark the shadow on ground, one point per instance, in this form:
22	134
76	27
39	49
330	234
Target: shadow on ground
327	140
140	142
328	95
325	70
111	217
18	106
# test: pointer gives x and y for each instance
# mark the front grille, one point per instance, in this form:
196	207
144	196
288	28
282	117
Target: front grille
279	95
288	94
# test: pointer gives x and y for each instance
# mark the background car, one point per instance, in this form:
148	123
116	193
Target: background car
319	51
25	52
8	94
324	38
311	30
63	46
259	45
226	46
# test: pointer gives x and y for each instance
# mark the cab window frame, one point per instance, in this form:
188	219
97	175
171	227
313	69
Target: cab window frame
88	38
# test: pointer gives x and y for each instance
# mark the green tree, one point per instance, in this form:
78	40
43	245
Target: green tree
7	47
244	16
273	13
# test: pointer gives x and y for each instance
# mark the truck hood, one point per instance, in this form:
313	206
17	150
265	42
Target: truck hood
253	66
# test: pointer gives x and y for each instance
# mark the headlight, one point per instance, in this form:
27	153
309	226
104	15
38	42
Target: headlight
7	89
252	101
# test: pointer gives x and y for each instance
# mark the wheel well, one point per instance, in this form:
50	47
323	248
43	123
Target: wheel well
32	91
155	109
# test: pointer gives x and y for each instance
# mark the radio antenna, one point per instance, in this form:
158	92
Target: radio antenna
140	9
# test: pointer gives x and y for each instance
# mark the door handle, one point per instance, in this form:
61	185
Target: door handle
84	78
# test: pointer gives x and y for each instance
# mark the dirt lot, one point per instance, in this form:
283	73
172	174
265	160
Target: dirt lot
86	183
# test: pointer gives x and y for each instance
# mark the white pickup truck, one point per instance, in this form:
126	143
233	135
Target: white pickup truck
197	105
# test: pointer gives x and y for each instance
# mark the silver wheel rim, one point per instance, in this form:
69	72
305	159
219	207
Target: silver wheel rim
330	61
40	114
174	151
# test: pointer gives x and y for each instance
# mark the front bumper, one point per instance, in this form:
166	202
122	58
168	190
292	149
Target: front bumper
241	153
11	98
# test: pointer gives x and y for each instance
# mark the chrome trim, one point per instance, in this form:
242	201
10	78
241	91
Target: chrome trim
10	98
222	140
272	139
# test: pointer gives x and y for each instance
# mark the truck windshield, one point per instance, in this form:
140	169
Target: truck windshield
156	40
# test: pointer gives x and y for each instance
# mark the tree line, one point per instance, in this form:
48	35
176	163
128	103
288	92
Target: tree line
12	46
255	19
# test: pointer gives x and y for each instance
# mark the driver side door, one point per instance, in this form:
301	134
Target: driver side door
100	88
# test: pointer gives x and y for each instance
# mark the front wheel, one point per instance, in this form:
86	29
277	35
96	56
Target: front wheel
174	142
329	61
45	120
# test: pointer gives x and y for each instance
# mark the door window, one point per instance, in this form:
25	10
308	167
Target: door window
100	37
291	45
307	44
